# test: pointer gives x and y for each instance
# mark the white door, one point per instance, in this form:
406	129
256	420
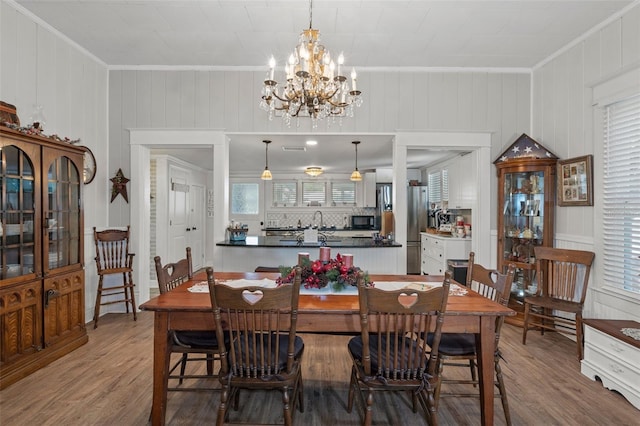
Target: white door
196	221
178	214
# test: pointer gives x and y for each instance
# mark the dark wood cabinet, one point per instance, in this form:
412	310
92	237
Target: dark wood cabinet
41	253
526	211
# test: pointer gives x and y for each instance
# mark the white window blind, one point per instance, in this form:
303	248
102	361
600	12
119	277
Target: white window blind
314	193
284	194
445	184
343	193
621	195
435	187
438	186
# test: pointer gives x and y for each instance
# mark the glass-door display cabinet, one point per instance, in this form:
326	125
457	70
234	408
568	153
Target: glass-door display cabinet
41	252
526	210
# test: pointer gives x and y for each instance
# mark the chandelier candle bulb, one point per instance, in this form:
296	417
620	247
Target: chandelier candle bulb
272	66
325	254
353	79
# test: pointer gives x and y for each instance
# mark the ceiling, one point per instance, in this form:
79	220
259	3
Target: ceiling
389	33
385	34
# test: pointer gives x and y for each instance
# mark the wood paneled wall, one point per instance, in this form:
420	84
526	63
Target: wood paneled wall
463	101
38	66
563	120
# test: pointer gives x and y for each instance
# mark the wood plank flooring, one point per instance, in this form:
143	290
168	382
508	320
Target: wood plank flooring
108	382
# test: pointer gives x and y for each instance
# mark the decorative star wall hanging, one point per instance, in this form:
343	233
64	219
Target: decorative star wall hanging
119	186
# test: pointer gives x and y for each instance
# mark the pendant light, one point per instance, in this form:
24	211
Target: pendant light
266	174
356	176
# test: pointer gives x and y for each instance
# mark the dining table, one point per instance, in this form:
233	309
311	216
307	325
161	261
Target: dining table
185	309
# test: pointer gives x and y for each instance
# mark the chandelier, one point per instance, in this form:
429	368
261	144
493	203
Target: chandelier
314	171
314	87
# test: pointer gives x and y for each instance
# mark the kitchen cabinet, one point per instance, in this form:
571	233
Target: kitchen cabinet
437	249
526	210
369	184
612	356
41	253
461	182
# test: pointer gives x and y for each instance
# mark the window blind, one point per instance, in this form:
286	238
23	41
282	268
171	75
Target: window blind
435	187
621	195
343	192
284	193
313	193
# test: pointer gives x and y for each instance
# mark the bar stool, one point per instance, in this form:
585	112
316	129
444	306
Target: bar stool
113	258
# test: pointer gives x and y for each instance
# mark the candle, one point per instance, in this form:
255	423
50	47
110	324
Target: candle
348	260
272	66
325	254
340	62
301	257
353	79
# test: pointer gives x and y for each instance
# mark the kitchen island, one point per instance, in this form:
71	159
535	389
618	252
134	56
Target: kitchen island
371	256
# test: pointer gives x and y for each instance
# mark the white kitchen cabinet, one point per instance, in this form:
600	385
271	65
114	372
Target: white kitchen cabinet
437	249
369	184
613	357
462	184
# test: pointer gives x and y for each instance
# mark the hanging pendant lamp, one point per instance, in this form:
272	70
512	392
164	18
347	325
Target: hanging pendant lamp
266	174
355	175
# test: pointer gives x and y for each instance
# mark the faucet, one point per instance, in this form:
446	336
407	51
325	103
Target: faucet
321	221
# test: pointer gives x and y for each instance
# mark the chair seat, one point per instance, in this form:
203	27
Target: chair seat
283	346
455	344
355	347
553	303
196	339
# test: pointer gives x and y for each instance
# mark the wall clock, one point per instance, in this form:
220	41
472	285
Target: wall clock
89	171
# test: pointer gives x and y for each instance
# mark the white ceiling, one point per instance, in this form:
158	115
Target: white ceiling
389	33
385	34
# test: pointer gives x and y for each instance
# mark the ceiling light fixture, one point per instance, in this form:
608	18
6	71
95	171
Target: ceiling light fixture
355	175
314	88
314	171
266	174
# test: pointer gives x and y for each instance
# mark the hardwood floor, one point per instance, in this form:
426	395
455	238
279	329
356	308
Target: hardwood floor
108	382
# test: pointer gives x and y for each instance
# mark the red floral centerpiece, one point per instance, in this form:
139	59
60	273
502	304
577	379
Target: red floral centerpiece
318	274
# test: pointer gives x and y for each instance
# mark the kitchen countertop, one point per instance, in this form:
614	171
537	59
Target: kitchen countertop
329	229
331	241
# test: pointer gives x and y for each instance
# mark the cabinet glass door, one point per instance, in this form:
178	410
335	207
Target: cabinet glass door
17	213
62	214
523	213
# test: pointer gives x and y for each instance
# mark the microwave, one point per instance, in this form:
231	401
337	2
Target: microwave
363	222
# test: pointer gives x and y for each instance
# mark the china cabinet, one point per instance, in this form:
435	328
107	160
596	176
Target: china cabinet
526	209
41	253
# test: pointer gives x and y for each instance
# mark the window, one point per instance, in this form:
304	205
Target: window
313	193
438	186
343	193
284	194
621	203
245	198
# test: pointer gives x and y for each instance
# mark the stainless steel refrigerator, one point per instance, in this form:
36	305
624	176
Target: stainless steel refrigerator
417	204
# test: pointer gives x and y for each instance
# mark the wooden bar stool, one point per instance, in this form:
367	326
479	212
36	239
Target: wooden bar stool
113	257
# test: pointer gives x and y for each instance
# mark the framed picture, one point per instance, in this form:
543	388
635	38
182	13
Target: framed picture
575	181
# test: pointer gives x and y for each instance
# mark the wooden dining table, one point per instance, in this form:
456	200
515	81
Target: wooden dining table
181	309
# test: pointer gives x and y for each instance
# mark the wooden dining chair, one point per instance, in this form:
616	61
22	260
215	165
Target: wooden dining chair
113	258
261	350
458	347
563	276
391	352
193	345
